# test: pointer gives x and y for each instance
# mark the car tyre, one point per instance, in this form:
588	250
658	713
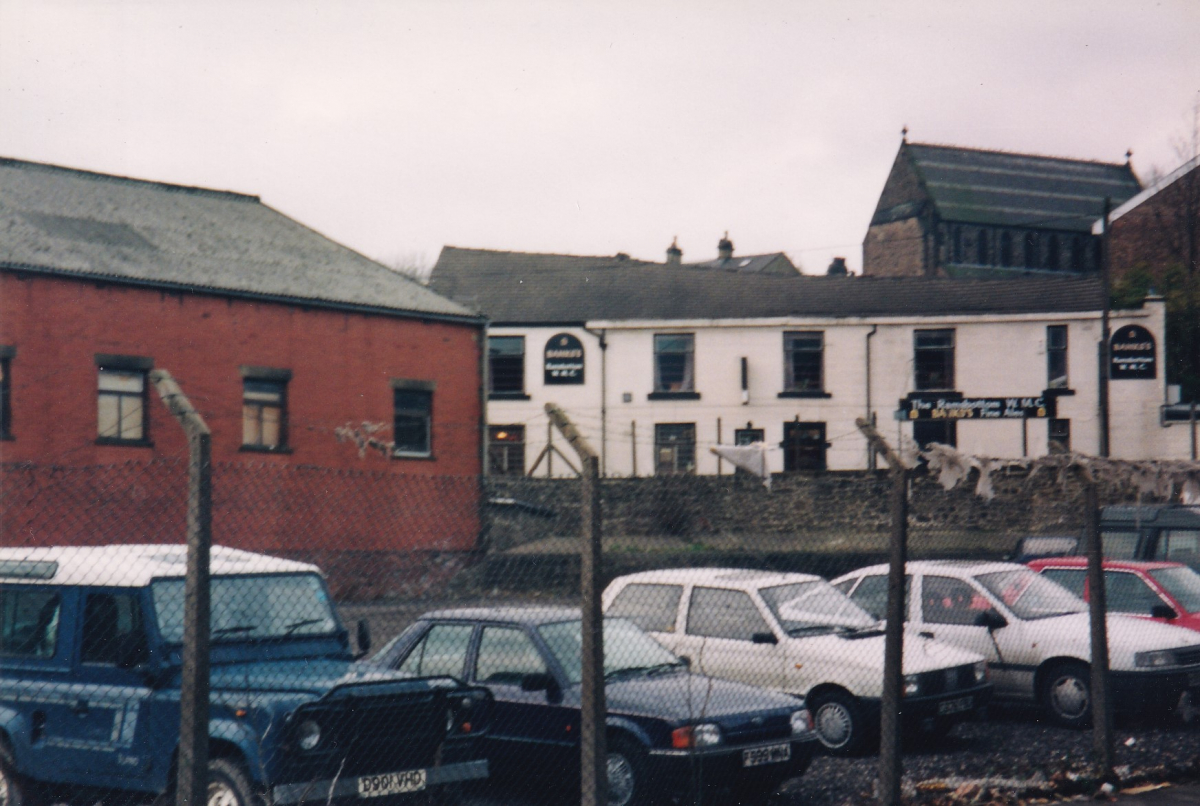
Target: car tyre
839	722
229	785
1066	694
628	783
15	790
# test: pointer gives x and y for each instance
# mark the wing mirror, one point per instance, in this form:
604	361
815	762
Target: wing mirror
542	681
363	638
764	638
991	619
1163	611
686	661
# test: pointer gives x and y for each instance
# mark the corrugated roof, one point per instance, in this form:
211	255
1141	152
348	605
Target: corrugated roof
999	188
65	221
564	289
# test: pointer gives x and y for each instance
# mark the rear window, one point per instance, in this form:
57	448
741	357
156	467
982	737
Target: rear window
29	622
651	607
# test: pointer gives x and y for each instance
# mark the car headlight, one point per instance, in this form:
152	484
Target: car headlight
981	672
1154	660
308	734
912	685
801	722
705	735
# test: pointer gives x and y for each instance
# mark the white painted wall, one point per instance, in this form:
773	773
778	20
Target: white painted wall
995	356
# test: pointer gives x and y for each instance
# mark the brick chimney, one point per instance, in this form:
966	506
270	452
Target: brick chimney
837	268
674	253
725	247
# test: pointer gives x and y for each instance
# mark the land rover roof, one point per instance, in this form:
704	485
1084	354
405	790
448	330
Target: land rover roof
130	566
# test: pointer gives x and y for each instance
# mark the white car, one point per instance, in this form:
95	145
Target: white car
796	633
1037	637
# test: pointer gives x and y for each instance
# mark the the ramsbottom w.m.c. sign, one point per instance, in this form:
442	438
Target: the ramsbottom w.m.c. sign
934	407
563	360
1133	354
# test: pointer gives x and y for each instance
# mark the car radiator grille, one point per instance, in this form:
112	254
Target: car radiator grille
1188	655
366	735
757	729
945	681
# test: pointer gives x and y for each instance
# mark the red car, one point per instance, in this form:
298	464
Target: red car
1163	591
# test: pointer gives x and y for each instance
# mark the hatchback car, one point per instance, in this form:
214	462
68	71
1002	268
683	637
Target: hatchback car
1162	591
796	633
1036	636
667	727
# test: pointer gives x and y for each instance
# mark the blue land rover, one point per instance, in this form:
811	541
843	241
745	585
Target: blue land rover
90	656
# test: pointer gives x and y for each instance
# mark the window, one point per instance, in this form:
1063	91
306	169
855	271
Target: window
933	359
945	600
804	362
1078	254
675	448
29	622
1056	356
872	595
443	651
413	418
264	408
6	355
981	248
748	435
1180	545
506	366
941	431
1073	579
803	446
506	450
1033	249
1119	545
718	613
1126	592
1006	249
957	251
113	631
121	399
673	362
506	655
651	607
1052	252
1059	436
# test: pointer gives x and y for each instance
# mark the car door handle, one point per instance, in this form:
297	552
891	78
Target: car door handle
80	708
926	634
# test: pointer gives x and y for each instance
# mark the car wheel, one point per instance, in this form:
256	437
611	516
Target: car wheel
229	785
1066	694
14	789
627	782
839	722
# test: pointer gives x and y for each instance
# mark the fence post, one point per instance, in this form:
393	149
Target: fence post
888	786
593	758
192	767
1102	721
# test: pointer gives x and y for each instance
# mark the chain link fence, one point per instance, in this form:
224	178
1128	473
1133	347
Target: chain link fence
440	654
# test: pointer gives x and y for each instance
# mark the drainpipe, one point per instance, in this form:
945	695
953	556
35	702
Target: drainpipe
870	416
601	337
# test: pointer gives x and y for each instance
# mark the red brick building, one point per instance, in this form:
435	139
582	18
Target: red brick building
278	336
1159	227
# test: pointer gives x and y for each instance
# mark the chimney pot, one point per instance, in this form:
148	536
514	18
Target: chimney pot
674	253
725	247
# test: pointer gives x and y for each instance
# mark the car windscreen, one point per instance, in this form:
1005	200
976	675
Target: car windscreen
801	605
1030	595
626	647
1182	583
250	607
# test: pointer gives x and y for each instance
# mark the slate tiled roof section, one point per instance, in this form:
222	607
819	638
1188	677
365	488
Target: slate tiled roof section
511	289
773	263
64	221
1022	190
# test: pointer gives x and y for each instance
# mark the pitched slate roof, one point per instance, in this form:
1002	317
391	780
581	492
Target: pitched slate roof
513	288
62	221
999	188
772	263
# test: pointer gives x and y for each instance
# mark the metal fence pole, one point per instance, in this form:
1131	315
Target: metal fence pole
192	767
593	752
1102	721
890	768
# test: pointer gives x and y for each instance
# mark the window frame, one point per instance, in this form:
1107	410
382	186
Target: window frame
685	389
747	599
661	443
517	391
279	378
128	365
424	389
505	448
923	353
7	354
793	351
1057	353
1058	435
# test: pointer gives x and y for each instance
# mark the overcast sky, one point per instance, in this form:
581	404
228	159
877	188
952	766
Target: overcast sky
585	128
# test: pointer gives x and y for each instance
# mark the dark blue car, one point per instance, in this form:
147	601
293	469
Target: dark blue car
669	731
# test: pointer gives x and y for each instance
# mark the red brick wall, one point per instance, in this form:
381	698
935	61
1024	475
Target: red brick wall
1156	232
341	365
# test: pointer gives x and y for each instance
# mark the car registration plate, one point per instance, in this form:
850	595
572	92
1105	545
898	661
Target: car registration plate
954	706
772	754
391	783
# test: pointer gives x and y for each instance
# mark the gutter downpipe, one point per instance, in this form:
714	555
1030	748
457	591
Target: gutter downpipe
602	338
870	416
1105	335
